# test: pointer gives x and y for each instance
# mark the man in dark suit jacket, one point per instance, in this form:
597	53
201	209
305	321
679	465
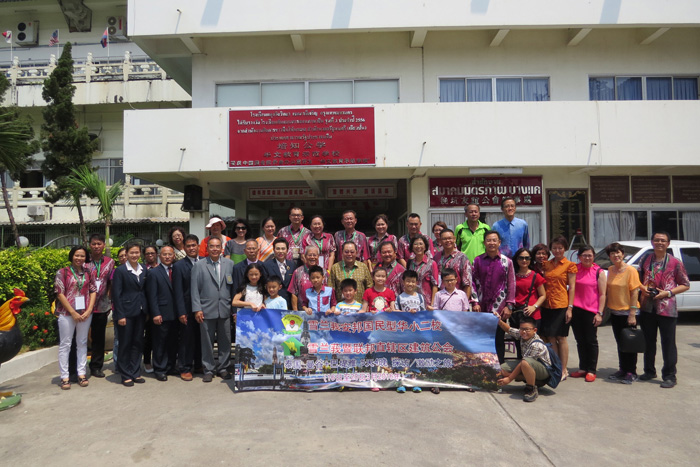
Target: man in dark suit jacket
190	343
281	267
211	284
251	252
161	305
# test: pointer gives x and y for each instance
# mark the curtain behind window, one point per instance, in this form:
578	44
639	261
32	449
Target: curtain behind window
606	228
629	89
535	89
452	90
690	223
601	89
479	90
685	88
509	89
659	89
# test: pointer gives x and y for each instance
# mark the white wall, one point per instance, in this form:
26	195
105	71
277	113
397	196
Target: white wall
161	17
506	134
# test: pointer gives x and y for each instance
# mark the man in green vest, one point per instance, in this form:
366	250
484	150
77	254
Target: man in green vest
470	235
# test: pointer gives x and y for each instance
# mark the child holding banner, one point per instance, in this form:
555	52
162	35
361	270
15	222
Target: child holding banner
319	298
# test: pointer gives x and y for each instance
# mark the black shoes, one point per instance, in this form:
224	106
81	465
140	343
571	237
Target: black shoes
97	373
647	377
668	383
530	393
223	374
207	377
161	377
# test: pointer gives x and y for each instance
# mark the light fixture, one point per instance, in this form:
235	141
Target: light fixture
496	170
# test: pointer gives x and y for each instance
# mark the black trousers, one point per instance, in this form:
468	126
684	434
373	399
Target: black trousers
130	347
97	333
500	344
666	327
147	341
586	335
190	345
627	360
165	346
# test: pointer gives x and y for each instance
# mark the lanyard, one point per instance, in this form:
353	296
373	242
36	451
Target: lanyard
79	282
376	242
654	269
389	271
319	244
345	272
98	267
296	239
419	269
345	236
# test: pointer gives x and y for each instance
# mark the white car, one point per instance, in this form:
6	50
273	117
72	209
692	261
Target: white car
687	252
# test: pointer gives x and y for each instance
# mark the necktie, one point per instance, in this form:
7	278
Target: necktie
218	276
170	274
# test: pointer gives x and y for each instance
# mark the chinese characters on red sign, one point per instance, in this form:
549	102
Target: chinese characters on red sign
484	191
301	137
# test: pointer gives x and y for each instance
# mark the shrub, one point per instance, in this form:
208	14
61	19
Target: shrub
39	327
50	261
19	269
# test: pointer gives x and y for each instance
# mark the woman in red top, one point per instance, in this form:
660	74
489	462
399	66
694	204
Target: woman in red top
529	291
540	254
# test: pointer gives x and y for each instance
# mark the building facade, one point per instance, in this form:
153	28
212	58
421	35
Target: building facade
586	111
108	81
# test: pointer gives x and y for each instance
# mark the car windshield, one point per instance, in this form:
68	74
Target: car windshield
602	259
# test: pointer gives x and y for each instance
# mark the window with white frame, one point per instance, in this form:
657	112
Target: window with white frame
488	89
379	91
637	88
110	170
615	225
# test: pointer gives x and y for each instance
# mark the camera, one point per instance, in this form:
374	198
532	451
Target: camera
653	292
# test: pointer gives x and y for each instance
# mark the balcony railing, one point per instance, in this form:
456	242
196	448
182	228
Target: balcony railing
126	68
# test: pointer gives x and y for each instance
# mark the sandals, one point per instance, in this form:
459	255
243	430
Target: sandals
65	384
83	381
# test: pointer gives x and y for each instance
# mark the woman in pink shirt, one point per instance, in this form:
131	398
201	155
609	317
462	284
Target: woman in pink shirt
589	303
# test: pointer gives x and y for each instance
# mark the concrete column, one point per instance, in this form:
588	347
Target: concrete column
418	198
199	219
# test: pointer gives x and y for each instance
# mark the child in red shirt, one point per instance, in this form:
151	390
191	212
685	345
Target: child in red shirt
379	297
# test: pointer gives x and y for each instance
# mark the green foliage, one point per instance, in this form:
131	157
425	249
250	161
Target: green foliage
51	260
38	325
66	145
17	144
18	268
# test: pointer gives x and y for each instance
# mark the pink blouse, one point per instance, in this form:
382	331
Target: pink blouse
586	294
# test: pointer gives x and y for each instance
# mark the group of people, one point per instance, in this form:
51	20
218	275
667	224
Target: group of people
175	303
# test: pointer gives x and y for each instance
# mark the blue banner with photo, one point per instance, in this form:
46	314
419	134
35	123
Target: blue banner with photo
295	351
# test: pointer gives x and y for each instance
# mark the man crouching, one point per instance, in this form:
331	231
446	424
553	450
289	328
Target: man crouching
533	366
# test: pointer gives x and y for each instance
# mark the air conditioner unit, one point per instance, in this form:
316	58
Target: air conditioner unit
27	33
116	27
35	211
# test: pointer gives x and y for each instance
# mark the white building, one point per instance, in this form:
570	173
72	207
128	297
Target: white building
549	100
108	80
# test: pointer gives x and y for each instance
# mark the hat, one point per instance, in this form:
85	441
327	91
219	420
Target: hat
216	220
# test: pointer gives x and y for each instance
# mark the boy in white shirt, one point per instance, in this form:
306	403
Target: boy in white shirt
410	299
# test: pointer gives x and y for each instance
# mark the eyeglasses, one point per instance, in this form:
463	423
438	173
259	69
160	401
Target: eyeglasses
524	258
527	329
240	227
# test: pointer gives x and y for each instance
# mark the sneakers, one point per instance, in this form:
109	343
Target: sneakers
647	377
401	390
590	377
629	378
578	374
207	378
417	389
530	393
619	374
668	383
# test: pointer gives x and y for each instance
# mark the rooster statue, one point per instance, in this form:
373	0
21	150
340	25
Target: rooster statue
10	340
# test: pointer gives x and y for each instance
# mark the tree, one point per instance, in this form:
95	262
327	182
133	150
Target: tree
17	145
85	180
66	145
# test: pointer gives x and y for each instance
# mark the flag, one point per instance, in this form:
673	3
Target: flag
8	36
53	40
105	38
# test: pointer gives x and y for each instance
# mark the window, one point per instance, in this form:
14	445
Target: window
691	261
613	225
382	91
484	89
110	170
654	88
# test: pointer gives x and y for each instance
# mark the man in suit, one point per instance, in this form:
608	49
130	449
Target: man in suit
251	252
190	343
211	284
161	305
281	267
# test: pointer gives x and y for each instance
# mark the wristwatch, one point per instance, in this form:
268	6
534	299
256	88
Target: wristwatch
670	293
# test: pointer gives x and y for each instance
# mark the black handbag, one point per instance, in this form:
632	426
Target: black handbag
632	341
519	310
